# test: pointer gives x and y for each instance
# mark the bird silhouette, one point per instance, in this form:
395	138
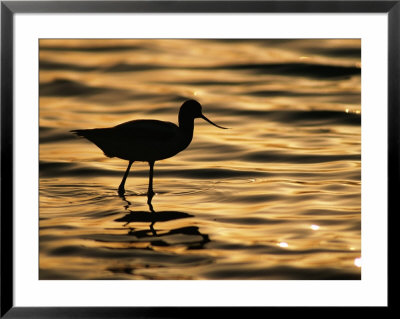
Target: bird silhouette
147	140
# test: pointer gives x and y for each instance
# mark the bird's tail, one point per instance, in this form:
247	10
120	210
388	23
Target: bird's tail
98	137
82	133
93	135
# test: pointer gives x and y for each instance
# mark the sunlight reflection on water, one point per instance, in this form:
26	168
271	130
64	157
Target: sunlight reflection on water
275	197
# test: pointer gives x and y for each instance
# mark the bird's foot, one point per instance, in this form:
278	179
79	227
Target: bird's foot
150	195
121	191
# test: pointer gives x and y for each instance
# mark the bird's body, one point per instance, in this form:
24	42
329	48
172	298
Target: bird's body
139	140
146	140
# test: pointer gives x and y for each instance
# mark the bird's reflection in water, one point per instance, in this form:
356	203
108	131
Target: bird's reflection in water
192	237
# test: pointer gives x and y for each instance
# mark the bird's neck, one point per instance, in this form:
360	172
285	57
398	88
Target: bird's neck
186	123
187	126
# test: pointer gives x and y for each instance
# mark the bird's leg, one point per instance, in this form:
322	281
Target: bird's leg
150	192
149	198
121	188
152	229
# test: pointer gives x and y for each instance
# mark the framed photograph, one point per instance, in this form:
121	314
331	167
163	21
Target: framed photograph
161	156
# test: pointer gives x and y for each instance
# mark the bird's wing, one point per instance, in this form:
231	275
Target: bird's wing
146	130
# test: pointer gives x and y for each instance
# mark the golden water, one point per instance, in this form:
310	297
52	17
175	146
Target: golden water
277	196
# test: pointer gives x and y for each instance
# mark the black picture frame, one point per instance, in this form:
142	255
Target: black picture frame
9	8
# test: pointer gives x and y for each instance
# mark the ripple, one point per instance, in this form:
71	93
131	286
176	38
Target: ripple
52	169
141	254
296	69
126	67
94	48
51	65
211	173
337	52
281	157
297	117
66	87
274	93
252	221
280	273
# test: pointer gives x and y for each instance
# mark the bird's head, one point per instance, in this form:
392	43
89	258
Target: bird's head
191	109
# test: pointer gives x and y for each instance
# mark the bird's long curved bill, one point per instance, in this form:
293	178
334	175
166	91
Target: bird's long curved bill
204	118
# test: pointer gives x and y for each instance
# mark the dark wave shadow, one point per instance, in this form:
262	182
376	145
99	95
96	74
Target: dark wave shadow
69	169
297	117
103	94
337	52
210	83
52	169
312	70
278	93
118	67
295	69
282	273
50	65
114	48
126	67
282	157
69	88
65	87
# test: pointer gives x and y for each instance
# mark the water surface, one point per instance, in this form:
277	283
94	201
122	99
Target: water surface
277	196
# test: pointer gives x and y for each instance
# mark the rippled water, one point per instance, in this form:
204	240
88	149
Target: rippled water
277	196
